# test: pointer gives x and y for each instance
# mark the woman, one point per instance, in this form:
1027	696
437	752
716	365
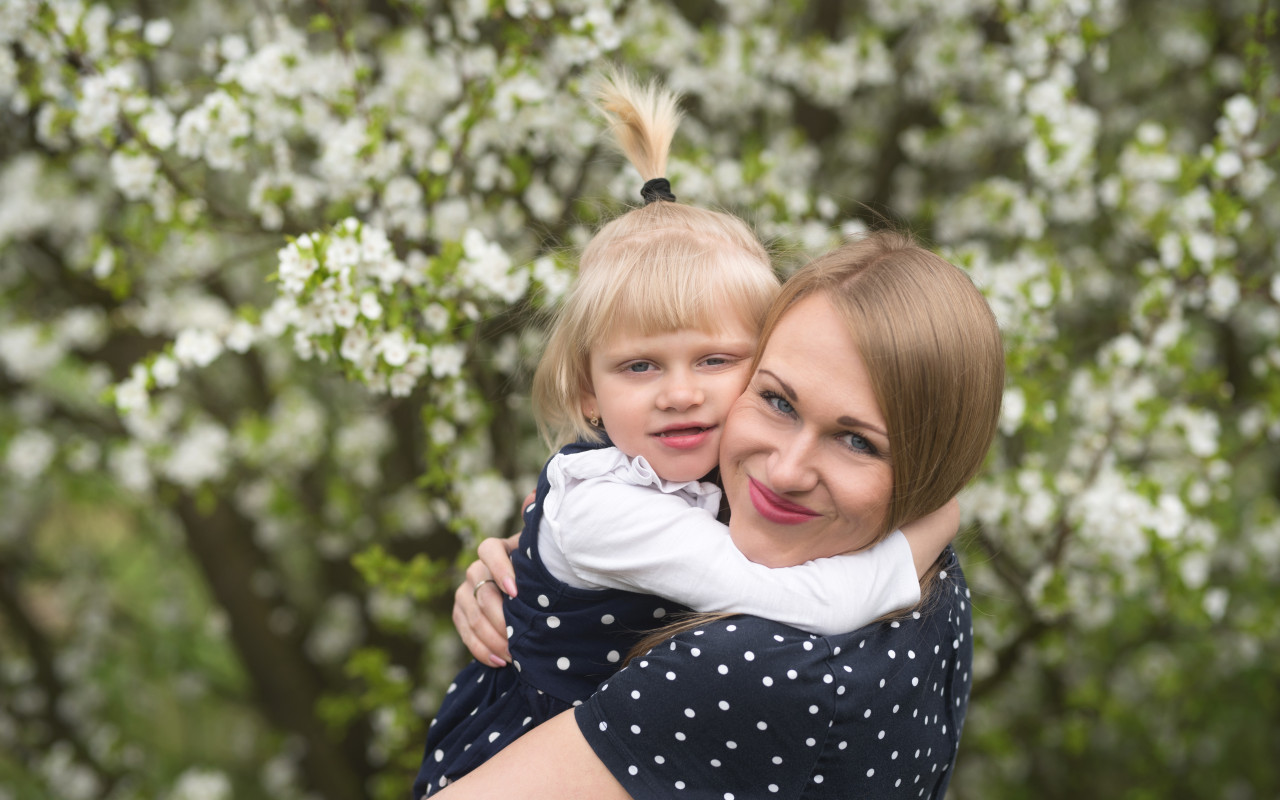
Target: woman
874	398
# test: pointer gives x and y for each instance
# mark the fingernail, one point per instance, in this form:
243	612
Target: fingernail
496	661
509	585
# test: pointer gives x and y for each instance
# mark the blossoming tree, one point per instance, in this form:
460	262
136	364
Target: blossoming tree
273	278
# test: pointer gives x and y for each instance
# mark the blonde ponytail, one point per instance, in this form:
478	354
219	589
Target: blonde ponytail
643	120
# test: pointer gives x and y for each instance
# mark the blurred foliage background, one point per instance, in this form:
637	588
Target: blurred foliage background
273	279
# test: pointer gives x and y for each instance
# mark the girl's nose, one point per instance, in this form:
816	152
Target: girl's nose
680	393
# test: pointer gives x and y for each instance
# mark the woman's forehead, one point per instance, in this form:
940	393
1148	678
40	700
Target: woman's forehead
812	351
810	319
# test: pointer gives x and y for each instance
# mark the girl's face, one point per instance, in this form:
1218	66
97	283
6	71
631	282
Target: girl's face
805	454
665	396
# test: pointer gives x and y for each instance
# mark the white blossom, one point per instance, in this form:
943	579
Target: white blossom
201	784
157	32
388	608
1239	117
29	454
436	317
104	264
337	630
27	352
1215	603
196	347
240	337
401	384
555	281
1012	410
446	360
393	347
441	432
83	327
99	103
131	394
1228	165
68	778
198	456
370	308
355	344
134	174
1125	350
488	500
1223	294
164	370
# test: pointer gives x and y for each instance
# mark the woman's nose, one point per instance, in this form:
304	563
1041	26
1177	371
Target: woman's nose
791	465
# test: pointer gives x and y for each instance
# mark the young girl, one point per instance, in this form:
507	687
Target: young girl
647	355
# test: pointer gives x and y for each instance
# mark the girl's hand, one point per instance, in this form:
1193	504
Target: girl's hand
930	535
477	604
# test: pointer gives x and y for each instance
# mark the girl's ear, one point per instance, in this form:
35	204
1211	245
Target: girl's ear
587	404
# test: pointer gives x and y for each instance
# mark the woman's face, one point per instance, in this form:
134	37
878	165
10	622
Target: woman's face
805	452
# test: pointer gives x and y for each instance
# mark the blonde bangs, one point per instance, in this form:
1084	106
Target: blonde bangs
673	290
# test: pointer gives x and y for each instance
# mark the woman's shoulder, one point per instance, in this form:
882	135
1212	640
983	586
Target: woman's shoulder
929	648
943	614
773	709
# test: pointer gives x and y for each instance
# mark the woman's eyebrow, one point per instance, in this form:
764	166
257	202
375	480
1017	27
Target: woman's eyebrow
786	388
850	422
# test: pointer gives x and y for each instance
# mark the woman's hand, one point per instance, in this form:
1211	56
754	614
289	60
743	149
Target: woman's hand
477	604
930	535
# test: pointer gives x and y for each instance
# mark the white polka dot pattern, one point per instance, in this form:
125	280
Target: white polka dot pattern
764	710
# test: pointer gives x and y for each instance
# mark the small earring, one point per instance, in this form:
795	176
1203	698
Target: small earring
595	421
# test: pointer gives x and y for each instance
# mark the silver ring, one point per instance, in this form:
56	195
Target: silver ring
476	591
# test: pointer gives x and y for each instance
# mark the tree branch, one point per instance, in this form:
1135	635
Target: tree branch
287	684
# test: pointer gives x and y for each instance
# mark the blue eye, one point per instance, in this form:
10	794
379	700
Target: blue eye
859	444
778	402
639	366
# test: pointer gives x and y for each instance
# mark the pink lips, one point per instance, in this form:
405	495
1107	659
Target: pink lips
776	508
684	437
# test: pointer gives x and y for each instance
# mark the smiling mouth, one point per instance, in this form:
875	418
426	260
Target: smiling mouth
691	437
776	508
675	432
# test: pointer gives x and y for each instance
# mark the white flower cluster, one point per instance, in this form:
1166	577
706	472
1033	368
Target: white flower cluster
344	292
330	295
1239	153
192	348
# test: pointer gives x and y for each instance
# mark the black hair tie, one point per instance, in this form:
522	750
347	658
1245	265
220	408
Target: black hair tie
657	189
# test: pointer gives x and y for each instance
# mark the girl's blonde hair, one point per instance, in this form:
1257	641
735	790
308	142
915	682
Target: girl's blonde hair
659	267
935	359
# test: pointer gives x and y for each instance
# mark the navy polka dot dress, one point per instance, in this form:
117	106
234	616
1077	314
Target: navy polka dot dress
564	642
749	708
